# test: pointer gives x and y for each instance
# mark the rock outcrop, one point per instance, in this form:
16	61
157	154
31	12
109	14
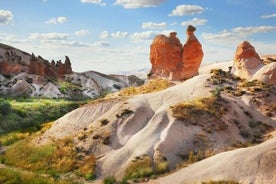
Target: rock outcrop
12	63
249	65
165	57
192	55
39	66
24	74
246	61
169	59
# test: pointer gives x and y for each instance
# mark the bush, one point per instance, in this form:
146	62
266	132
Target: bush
110	180
140	168
5	107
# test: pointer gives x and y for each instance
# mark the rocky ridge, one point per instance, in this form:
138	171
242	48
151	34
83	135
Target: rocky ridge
23	74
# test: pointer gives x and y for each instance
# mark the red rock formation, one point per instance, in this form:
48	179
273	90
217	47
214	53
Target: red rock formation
192	55
11	63
248	65
7	68
165	57
246	61
39	66
168	60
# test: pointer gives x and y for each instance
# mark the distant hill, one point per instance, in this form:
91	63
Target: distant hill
24	74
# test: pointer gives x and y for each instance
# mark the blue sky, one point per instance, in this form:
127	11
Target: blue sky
111	36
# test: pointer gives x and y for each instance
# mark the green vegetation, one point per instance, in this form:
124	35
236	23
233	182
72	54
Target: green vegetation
144	167
109	180
52	159
68	86
29	114
231	84
10	176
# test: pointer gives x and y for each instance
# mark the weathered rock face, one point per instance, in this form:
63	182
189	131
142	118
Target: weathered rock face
12	63
246	61
39	66
248	65
267	74
169	61
165	57
191	57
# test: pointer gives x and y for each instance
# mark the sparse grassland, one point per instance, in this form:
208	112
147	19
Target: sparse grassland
209	109
29	114
52	159
262	95
8	175
150	86
143	167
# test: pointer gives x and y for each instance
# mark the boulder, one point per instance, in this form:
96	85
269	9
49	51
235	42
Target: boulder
267	74
249	65
20	88
246	61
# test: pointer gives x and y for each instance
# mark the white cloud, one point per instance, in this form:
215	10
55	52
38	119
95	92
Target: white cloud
183	10
6	17
252	30
82	32
139	3
269	16
105	34
194	22
152	25
119	34
147	35
58	20
273	1
236	34
49	36
99	2
102	43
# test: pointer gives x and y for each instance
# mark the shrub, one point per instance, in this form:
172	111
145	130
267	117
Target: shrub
110	180
139	168
104	122
192	109
5	107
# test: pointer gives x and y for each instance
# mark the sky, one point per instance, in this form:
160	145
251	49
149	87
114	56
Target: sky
114	36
